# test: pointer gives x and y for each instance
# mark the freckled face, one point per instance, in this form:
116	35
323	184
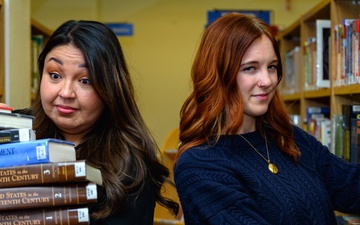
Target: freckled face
67	94
257	78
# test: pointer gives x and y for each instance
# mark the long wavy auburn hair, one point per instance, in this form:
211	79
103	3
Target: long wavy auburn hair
119	143
215	97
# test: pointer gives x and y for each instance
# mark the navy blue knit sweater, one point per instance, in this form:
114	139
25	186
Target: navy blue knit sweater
229	183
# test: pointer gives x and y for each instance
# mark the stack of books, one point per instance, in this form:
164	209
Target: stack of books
41	182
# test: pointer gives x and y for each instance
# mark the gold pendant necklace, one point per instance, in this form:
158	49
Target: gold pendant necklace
273	169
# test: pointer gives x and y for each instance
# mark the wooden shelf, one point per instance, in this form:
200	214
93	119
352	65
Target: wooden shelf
38	28
347	89
292	32
298	34
291	97
320	93
320	11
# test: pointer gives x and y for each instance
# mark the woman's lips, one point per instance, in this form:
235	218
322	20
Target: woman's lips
65	109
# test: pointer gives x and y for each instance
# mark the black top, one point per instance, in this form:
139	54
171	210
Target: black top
139	208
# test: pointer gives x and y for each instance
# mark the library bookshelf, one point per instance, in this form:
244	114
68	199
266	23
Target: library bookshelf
36	29
2	52
298	35
300	98
40	34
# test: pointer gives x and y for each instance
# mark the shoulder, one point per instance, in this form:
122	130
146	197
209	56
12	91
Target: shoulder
220	157
205	152
301	137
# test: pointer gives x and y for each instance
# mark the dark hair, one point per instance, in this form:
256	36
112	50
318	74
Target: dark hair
215	95
119	142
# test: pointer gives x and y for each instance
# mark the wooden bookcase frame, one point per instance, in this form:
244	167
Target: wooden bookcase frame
2	53
296	35
39	29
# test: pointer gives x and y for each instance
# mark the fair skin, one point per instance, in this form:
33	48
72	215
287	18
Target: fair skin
67	95
257	80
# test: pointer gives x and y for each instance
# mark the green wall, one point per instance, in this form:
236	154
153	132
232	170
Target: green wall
166	34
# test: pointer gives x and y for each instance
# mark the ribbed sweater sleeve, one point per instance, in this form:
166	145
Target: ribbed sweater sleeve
229	183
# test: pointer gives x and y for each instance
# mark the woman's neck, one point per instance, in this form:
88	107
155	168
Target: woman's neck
248	125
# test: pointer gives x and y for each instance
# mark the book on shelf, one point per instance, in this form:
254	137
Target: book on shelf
15	120
46	216
337	136
48	173
295	119
291	77
355	140
351	114
317	110
37	151
37	45
325	132
346	47
47	196
310	63
17	135
322	53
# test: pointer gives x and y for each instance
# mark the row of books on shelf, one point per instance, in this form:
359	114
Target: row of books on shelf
291	79
346	48
316	60
41	181
37	43
340	133
316	57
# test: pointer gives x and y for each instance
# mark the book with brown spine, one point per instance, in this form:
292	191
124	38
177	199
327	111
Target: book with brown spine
47	173
46	216
47	196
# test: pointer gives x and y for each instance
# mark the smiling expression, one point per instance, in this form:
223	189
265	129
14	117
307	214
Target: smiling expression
257	78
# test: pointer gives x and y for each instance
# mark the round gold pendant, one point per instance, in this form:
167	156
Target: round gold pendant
273	168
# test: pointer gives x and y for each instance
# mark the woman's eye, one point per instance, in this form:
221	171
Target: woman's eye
273	68
249	69
85	81
55	76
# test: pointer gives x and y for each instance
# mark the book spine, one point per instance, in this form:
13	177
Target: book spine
28	152
354	140
17	135
19	154
48	216
47	196
45	173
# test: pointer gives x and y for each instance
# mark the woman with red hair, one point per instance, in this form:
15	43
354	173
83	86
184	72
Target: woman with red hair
241	161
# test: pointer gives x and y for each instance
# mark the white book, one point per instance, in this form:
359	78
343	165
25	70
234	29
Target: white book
15	120
322	50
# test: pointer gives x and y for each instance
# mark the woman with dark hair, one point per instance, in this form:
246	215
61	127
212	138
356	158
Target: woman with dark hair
241	161
86	96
